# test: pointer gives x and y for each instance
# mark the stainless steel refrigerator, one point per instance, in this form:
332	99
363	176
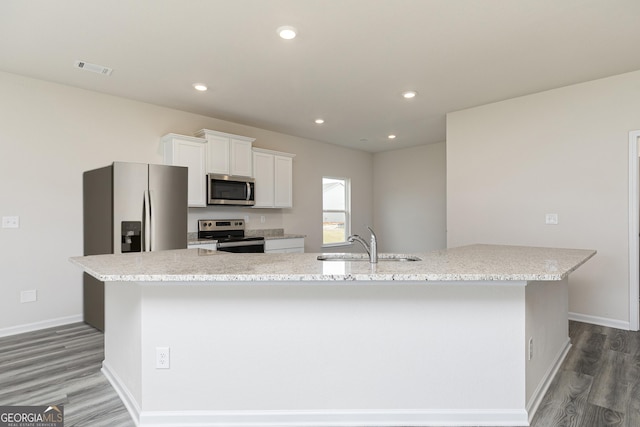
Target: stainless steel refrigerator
130	207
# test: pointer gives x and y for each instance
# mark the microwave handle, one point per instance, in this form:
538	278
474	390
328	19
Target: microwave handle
248	191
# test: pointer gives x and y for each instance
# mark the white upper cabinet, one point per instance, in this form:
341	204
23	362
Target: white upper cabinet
228	154
181	150
273	172
218	154
263	173
283	183
241	162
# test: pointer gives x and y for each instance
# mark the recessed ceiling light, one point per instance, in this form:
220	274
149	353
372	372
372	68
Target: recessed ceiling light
319	121
287	32
200	87
409	94
391	137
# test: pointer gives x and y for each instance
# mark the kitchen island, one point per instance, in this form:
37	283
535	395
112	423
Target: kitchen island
466	336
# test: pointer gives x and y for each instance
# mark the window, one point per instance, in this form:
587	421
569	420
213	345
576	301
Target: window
335	211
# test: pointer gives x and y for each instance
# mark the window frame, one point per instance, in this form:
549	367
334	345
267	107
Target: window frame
346	211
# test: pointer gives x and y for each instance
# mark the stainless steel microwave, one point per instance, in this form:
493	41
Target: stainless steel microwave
230	190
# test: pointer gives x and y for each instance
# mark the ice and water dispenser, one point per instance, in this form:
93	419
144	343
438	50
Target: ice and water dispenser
131	236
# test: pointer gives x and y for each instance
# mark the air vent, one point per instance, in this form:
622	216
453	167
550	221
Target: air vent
94	68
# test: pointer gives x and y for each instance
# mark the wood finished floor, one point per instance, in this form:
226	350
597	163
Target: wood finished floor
61	366
598	384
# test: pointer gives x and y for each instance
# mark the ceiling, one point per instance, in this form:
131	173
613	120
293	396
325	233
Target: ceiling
350	63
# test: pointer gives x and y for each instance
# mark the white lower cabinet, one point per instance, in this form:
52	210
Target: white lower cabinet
273	172
182	150
286	245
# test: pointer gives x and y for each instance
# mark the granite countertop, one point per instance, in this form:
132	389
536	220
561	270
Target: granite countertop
196	241
466	263
272	233
285	236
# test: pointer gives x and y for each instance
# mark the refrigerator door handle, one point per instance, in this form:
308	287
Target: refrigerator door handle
153	245
147	221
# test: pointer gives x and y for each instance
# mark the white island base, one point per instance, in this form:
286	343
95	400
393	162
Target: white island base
359	353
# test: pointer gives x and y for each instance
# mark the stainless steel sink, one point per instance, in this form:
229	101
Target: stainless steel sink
365	257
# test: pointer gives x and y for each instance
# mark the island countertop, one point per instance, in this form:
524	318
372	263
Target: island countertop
466	263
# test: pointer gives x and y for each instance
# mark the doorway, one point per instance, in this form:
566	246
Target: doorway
634	231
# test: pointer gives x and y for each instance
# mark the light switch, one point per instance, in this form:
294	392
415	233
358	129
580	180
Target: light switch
10	222
551	219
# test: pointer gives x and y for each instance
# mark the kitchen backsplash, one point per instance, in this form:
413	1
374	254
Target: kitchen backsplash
254	218
265	232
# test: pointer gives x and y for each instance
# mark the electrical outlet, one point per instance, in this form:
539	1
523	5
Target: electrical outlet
162	358
28	296
10	222
551	219
262	219
530	348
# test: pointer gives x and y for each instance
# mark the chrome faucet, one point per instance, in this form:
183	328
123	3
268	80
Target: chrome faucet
372	248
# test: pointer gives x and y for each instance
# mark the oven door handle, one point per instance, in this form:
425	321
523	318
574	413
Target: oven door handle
236	244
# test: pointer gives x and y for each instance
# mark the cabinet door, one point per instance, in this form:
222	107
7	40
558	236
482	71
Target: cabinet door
241	158
218	154
263	174
283	182
192	154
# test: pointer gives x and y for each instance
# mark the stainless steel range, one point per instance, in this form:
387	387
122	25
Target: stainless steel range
229	234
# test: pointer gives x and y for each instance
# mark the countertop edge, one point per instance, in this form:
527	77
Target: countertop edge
197	270
575	267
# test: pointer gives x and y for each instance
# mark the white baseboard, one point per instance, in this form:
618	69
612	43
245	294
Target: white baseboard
315	418
328	418
36	326
602	321
123	392
543	386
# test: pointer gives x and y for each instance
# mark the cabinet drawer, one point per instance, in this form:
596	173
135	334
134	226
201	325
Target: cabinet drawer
281	245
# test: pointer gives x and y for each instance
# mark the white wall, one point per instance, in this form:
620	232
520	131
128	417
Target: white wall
51	133
365	353
313	161
563	151
409	201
